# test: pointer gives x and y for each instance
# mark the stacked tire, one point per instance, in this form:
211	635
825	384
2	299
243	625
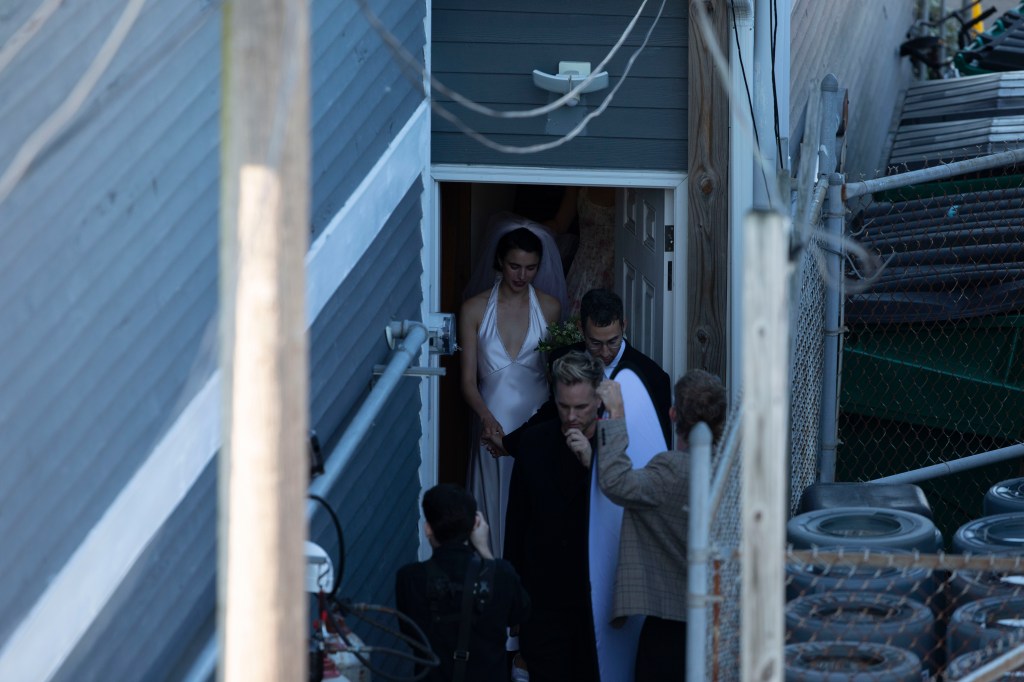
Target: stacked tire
864	527
849	622
1005	497
850	662
865	617
989	604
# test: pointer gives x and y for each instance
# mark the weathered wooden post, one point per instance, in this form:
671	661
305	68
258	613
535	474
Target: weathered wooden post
264	352
765	432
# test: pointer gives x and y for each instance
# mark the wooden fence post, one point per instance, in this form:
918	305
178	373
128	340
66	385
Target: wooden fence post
765	434
264	465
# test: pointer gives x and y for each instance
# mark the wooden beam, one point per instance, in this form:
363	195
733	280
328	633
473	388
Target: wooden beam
264	468
765	434
707	265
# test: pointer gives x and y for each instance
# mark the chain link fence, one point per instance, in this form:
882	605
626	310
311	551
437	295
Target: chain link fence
932	364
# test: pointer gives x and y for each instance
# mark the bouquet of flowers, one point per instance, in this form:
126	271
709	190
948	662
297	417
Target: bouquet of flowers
561	334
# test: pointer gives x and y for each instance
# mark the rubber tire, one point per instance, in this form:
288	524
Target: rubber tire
921	584
967	663
823	661
863	527
865	617
996	534
968	586
1005	497
974	625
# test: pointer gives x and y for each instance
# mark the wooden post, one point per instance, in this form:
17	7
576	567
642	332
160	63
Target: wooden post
264	353
765	433
707	268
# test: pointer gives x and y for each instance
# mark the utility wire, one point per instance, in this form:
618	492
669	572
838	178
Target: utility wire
415	66
746	85
412	65
775	91
27	31
56	122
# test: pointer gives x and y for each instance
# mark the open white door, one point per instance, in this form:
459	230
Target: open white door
641	277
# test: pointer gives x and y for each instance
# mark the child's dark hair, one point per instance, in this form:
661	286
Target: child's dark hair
521	238
450	511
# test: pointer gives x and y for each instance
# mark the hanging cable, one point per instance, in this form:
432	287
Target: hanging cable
26	31
339	570
395	45
410	64
774	8
746	85
52	126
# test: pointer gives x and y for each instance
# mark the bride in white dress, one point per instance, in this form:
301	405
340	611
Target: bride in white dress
503	373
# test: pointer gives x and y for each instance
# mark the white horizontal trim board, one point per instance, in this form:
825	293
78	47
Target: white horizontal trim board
64	612
556	176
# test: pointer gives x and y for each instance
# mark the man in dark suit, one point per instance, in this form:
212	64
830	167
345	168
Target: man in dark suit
546	527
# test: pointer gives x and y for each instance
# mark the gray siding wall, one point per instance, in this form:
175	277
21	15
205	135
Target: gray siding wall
487	50
108	295
361	100
164	612
860	44
108	271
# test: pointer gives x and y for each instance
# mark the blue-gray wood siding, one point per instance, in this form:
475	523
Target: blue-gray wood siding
361	99
164	612
108	273
487	50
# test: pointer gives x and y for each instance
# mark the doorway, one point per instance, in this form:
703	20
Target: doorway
645	207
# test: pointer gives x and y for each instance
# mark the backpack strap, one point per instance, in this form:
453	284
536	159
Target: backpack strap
474	569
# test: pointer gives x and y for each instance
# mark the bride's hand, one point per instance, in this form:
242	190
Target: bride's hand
491	428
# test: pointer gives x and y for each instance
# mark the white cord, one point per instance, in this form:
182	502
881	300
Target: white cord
414	65
56	122
27	31
411	64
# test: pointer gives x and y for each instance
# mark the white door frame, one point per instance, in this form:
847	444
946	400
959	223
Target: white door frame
674	360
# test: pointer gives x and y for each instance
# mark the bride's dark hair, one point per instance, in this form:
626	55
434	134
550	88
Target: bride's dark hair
520	238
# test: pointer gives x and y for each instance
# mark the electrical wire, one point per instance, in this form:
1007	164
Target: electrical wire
27	31
56	122
339	571
746	83
357	609
744	119
774	8
410	64
416	67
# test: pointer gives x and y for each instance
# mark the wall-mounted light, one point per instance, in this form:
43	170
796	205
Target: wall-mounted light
569	75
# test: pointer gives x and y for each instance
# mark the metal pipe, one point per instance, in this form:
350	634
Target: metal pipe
944	172
413	338
827	426
955	466
697	552
413	335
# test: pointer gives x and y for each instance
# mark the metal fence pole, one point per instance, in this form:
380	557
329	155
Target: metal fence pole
831	328
934	173
697	553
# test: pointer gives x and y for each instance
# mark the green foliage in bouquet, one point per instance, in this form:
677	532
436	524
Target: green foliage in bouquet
561	334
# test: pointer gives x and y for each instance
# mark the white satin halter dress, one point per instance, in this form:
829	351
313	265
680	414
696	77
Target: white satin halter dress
512	389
